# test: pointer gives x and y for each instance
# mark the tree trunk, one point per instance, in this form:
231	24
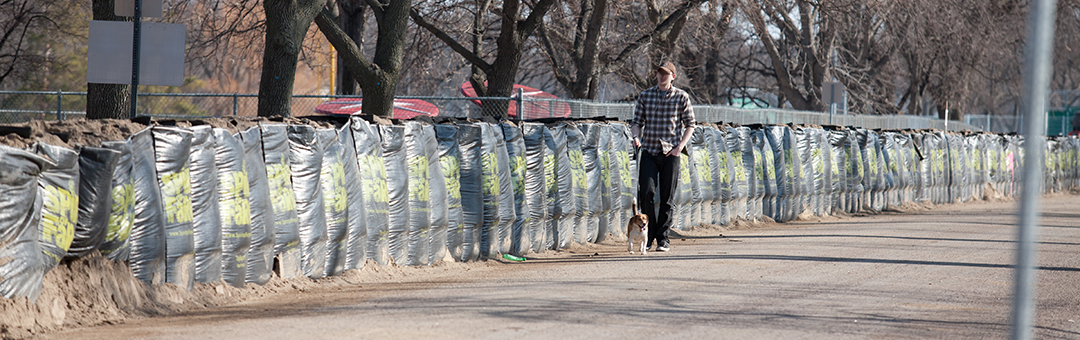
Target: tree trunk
351	18
107	100
286	24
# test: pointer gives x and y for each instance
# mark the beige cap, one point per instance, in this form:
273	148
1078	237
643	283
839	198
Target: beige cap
667	67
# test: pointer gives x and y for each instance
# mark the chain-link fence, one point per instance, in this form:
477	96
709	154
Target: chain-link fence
21	106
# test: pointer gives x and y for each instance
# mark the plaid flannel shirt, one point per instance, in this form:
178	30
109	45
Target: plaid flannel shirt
662	116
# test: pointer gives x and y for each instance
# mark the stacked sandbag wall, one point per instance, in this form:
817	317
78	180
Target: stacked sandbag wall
202	204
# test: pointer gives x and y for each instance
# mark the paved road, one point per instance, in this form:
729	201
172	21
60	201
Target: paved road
942	273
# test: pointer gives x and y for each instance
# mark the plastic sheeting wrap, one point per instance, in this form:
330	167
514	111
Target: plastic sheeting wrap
789	174
579	181
855	172
419	192
723	177
96	167
397	184
369	153
490	240
681	199
22	265
701	156
740	180
977	158
59	186
206	215
507	215
910	166
892	176
260	258
936	146
234	202
808	160
305	162
520	238
275	144
147	258
335	200
608	191
590	155
172	147
768	171
623	178
535	185
561	200
356	240
470	144
116	246
958	168
438	198
838	139
450	162
873	166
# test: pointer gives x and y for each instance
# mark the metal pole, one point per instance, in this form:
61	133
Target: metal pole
235	104
59	104
1040	42
136	35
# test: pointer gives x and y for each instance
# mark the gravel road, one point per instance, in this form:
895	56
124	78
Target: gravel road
926	273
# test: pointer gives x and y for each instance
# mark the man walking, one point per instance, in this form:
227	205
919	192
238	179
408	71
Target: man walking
662	125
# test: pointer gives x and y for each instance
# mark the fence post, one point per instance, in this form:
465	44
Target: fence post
59	104
235	104
520	104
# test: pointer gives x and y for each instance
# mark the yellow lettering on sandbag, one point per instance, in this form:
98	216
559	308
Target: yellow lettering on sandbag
61	211
176	192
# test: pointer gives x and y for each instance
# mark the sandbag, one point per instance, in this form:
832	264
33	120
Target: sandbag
234	207
450	162
96	167
397	184
59	186
22	264
490	239
335	200
206	212
623	178
305	162
438	199
507	213
260	258
116	245
356	241
575	139
590	156
147	258
470	144
562	202
369	155
419	193
520	239
699	151
535	185
172	147
275	144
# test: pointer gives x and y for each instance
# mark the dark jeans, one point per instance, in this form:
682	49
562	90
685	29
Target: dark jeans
657	172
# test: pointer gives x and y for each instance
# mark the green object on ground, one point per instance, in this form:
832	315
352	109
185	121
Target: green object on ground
513	258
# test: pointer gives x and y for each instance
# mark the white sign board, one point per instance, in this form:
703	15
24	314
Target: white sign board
148	9
161	53
833	93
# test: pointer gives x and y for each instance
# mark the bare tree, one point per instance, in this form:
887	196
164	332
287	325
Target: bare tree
378	78
107	100
287	23
496	78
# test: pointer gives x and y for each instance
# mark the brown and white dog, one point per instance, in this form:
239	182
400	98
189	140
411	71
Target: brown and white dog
637	230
